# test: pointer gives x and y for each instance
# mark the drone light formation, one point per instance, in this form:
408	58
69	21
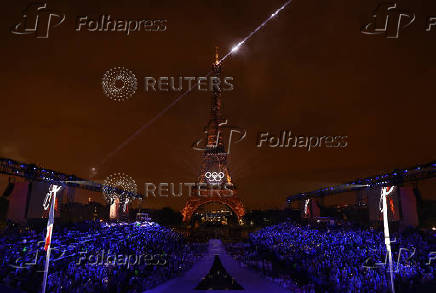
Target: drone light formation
158	115
119	186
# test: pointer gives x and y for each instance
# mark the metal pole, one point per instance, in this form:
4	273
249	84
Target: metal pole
47	258
387	236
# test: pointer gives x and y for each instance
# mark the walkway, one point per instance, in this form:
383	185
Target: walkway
249	280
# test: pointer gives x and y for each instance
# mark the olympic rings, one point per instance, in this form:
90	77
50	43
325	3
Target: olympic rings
214	176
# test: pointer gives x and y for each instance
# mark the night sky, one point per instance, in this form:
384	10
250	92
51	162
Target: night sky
310	70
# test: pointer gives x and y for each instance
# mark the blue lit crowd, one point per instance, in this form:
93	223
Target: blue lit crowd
306	258
22	256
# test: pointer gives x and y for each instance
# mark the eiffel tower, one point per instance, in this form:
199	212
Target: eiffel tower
214	174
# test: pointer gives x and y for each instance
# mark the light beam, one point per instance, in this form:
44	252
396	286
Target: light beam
236	48
158	115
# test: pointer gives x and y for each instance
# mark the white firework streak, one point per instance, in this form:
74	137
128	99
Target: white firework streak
236	47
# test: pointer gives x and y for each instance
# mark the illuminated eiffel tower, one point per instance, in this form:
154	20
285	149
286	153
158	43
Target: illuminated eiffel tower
214	184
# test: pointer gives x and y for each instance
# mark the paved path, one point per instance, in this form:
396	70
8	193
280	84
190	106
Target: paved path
249	280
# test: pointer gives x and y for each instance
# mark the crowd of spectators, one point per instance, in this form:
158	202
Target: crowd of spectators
97	259
308	258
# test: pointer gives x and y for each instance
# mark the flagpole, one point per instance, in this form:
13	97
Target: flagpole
47	260
385	192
